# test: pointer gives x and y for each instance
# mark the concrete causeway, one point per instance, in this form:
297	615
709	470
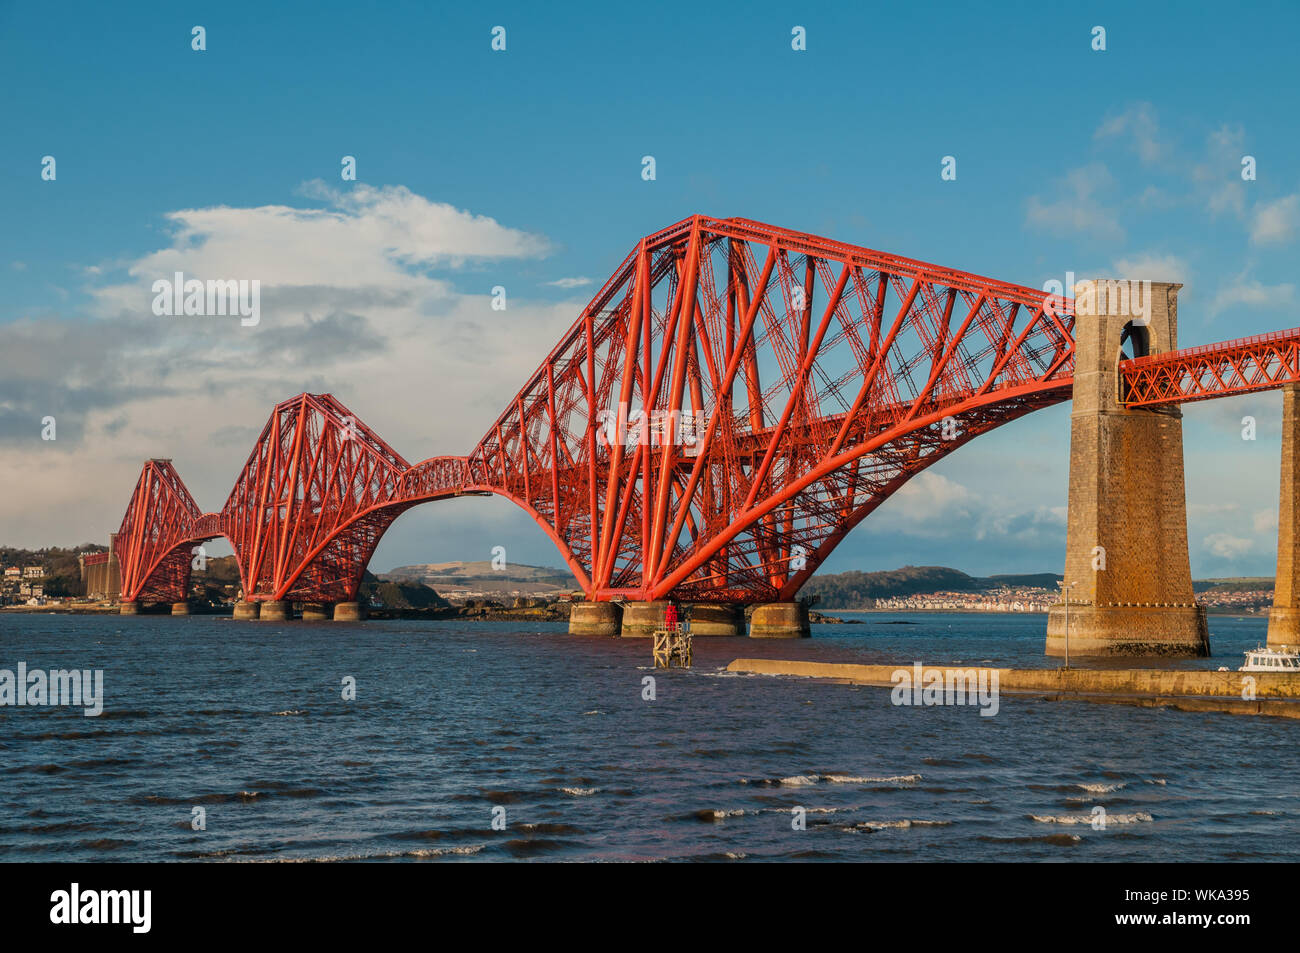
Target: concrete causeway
1256	693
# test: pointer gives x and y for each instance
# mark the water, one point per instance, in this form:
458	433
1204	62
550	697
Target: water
453	720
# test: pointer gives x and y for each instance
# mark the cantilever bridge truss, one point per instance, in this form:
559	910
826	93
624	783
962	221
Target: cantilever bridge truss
733	401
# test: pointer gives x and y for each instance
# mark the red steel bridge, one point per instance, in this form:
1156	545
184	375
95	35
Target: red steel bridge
733	401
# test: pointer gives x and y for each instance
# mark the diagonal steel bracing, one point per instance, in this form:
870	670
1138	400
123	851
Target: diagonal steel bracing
732	402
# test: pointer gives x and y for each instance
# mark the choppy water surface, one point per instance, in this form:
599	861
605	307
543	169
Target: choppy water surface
452	720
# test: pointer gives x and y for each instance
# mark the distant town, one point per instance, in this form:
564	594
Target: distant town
1031	599
24	584
55	579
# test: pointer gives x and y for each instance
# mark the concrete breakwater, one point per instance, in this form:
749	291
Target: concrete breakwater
1267	693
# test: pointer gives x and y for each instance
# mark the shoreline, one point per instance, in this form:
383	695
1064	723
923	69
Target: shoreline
476	614
824	611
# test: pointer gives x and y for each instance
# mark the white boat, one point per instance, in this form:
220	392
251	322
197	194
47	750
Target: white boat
1271	660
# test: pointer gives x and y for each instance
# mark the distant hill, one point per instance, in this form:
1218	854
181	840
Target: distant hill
1041	580
852	590
456	580
393	594
1235	584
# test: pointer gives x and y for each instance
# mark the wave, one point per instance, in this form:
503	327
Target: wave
1059	840
806	780
798	781
1101	788
1088	818
423	853
550	828
904	824
718	814
244	797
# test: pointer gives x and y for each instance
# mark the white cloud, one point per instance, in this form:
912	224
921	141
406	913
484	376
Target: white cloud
932	500
568	283
1276	221
1265	521
358	300
1227	545
371	238
1211	509
1229	197
1246	292
932	506
1138	122
1151	266
1079	210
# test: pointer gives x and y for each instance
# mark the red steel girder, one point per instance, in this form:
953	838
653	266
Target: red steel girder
766	390
810	365
1242	366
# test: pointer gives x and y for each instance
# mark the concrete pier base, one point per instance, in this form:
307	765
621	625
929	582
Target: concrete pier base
1284	628
595	618
276	610
1154	630
779	620
246	610
349	612
129	608
709	619
317	612
1284	618
180	608
640	619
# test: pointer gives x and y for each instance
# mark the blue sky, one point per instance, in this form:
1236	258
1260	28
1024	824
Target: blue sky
1121	162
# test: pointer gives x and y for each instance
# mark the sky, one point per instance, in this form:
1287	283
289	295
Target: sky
521	168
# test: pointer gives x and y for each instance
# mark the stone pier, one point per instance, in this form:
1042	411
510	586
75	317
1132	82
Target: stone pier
595	618
316	612
349	612
246	610
640	619
779	620
1284	617
180	608
1127	572
129	608
709	619
276	610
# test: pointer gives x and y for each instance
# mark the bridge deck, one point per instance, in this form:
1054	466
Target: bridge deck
1260	362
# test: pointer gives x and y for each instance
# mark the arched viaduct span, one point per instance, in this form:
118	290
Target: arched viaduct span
731	403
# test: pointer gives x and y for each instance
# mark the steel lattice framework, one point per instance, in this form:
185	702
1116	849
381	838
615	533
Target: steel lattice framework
1215	370
733	401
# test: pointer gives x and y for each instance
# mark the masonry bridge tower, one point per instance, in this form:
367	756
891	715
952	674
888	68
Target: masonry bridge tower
1127	573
